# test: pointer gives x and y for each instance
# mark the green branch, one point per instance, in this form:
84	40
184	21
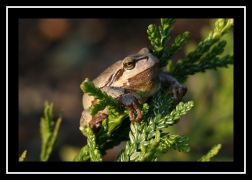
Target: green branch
23	155
93	151
49	131
105	100
195	62
147	142
159	36
109	134
211	153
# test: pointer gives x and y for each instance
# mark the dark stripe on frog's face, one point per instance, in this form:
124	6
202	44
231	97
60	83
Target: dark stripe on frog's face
114	77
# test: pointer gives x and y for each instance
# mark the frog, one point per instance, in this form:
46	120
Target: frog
124	80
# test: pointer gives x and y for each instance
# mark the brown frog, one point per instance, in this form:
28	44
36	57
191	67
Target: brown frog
122	81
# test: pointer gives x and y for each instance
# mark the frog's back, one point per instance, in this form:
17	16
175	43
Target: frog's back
104	77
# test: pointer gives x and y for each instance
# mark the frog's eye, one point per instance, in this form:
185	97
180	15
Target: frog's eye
128	63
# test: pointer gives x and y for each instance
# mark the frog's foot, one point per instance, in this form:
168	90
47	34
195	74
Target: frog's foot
131	102
97	119
132	109
175	88
178	91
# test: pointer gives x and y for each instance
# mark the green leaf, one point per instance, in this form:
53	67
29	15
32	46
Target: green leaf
196	62
159	37
49	131
23	155
93	149
88	87
213	151
83	155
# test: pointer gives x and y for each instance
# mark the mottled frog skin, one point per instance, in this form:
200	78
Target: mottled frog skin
122	81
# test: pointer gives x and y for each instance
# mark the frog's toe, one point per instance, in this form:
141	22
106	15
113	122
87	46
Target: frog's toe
135	107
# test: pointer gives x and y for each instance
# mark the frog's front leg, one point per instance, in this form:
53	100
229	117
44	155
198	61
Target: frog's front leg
92	121
128	99
175	88
97	119
131	102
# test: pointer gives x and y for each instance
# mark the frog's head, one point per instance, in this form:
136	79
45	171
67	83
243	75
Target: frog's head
140	71
137	63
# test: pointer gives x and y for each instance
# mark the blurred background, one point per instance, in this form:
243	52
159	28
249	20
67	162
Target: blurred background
56	55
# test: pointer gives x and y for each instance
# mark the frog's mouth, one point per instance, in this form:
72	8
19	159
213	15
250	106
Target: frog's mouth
146	81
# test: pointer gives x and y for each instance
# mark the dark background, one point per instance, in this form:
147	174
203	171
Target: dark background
56	55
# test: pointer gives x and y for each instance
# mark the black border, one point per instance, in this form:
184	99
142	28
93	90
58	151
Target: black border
15	13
